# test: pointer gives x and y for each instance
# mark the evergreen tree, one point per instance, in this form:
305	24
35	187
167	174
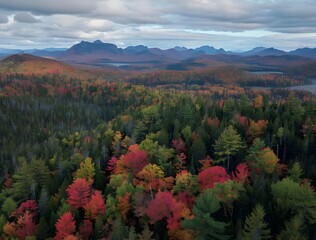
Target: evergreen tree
293	229
9	206
204	223
255	226
228	144
119	230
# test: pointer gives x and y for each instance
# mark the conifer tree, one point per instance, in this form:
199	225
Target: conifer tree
204	223
228	144
255	226
293	229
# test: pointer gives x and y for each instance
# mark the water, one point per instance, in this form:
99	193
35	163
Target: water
118	64
310	87
266	72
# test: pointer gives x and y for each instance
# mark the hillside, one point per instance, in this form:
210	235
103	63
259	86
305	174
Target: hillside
29	65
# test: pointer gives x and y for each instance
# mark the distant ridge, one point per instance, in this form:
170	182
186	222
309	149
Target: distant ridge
20	58
99	48
100	54
30	64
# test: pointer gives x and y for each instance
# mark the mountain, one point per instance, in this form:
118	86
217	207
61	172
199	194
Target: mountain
210	50
180	49
271	52
139	57
97	46
136	49
253	51
304	52
30	64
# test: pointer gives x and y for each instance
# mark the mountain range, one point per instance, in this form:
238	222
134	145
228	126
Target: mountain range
102	54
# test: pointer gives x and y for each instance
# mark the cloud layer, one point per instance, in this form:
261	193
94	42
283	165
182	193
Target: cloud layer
232	24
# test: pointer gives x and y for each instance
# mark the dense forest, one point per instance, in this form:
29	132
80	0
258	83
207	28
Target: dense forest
95	159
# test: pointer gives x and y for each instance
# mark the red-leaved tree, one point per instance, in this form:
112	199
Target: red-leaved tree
241	173
65	226
86	230
212	175
136	160
78	193
179	145
96	205
111	164
165	206
29	206
23	227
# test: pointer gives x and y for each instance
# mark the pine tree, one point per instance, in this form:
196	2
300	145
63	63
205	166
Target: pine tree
228	144
293	229
204	224
43	202
255	227
86	170
146	234
119	230
9	206
294	197
132	234
2	223
295	172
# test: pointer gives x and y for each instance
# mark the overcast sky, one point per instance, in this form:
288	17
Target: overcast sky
230	24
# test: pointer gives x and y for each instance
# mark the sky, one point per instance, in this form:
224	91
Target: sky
236	25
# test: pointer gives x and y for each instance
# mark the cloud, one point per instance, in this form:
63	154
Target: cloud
3	19
49	7
231	24
24	17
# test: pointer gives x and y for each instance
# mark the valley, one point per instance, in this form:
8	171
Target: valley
134	139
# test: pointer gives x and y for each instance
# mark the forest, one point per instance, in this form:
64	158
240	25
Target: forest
85	158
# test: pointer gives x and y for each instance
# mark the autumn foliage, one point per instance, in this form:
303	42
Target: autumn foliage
78	193
23	227
212	175
136	160
65	226
165	206
95	206
103	159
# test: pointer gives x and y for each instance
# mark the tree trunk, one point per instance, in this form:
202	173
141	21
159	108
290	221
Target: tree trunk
228	160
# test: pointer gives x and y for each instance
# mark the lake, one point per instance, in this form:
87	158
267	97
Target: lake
309	87
266	72
117	64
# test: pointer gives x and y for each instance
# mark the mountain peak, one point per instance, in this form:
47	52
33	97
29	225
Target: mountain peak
97	42
180	49
90	48
209	50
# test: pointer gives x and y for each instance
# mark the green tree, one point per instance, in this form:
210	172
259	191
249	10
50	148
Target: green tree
140	131
3	220
9	206
255	226
295	172
86	170
204	223
198	150
294	198
119	230
132	234
43	202
293	229
28	176
228	144
229	107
